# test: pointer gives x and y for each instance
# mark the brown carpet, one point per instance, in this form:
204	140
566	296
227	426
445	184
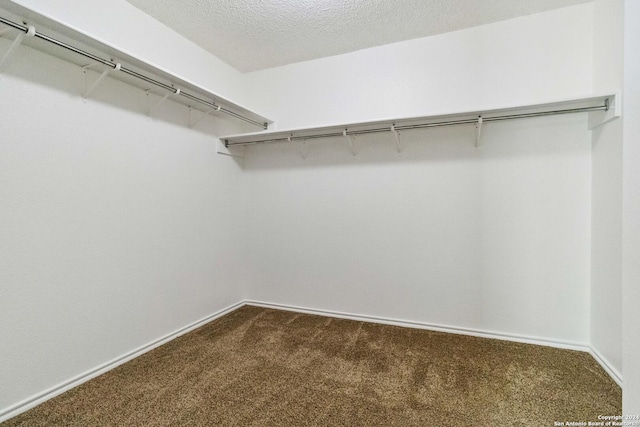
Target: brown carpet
262	367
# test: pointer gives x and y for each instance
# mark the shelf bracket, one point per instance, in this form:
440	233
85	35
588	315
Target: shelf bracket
396	138
221	148
478	131
100	79
16	42
204	114
350	141
302	146
164	98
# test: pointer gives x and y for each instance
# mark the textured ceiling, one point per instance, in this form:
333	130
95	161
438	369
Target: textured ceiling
256	34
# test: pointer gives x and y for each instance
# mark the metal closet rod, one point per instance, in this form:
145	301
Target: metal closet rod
132	73
347	132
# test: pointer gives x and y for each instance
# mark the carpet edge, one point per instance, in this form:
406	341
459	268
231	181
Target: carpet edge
566	345
38	398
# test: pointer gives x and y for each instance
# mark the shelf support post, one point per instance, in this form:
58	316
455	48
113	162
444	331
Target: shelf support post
16	42
302	146
350	141
164	98
204	114
396	138
100	79
478	131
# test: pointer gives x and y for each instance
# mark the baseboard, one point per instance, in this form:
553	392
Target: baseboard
607	366
428	326
39	398
602	361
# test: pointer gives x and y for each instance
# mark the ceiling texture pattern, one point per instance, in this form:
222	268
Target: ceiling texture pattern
251	35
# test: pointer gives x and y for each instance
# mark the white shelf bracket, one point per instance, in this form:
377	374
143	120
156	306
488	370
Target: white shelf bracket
100	79
396	138
478	131
12	49
237	152
159	103
205	114
350	141
302	146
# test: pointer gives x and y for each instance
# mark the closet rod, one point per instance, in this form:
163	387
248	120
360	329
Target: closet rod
290	138
132	73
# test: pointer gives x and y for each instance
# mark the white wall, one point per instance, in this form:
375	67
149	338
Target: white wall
631	205
526	60
116	229
606	245
496	239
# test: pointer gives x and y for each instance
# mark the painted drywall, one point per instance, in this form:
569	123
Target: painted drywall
116	228
124	27
495	239
531	59
606	224
631	210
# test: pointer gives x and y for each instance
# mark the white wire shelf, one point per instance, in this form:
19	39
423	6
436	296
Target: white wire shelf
24	26
600	107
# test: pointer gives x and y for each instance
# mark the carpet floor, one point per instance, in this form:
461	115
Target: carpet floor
263	367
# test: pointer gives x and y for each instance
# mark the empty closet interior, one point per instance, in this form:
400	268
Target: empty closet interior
468	182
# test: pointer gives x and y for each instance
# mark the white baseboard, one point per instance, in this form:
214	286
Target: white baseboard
39	398
428	326
609	369
607	366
